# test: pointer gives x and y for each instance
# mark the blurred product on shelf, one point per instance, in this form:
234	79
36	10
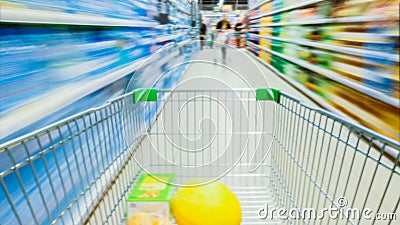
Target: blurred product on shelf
140	10
336	47
61	45
60	58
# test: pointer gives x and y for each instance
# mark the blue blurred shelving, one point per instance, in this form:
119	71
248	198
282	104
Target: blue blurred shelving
60	58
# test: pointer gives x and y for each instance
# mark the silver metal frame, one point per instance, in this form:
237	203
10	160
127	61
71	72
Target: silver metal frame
81	170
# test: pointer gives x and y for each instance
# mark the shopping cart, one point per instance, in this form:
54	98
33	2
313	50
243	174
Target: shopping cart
269	148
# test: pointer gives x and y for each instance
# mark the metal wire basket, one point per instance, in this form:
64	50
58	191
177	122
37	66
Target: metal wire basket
272	151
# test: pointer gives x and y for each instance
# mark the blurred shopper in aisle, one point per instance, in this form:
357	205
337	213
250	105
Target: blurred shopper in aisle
212	37
223	28
163	12
223	24
238	32
203	33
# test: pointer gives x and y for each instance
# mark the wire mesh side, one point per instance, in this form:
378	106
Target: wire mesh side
138	119
79	170
320	161
59	174
181	127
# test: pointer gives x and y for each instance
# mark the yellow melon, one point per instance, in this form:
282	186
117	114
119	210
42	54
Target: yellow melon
209	204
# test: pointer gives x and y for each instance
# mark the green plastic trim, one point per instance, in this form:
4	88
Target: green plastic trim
144	95
267	94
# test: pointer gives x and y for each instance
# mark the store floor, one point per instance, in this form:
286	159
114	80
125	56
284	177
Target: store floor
239	70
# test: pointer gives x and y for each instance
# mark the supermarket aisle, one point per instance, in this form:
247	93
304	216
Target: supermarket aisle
345	51
213	75
56	69
240	71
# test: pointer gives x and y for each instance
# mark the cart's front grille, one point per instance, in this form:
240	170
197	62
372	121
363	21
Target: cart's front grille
284	155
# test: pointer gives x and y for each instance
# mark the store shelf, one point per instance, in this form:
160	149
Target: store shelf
172	26
341	49
295	6
167	38
51	102
48	103
34	16
180	8
219	14
312	95
183	26
351	107
259	4
351	19
336	77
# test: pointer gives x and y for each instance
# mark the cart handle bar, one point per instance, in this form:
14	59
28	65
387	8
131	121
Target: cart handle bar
150	94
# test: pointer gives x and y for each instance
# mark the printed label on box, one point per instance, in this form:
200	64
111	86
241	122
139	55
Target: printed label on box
151	195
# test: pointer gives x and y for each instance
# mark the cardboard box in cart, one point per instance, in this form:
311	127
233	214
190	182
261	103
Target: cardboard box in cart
151	195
